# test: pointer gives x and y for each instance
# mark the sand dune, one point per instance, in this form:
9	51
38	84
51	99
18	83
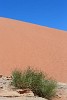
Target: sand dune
24	44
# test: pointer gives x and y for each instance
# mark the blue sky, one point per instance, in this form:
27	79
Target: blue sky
51	13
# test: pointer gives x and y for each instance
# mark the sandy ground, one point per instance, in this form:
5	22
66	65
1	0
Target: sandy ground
21	98
8	92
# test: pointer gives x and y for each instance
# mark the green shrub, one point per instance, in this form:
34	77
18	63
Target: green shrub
36	81
16	78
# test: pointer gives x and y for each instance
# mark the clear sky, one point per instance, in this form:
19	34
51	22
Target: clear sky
51	13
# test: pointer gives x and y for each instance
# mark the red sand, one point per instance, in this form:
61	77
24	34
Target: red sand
24	44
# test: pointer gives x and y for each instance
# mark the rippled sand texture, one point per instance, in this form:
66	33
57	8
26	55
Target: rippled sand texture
24	44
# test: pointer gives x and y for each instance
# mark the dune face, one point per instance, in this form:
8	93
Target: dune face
24	44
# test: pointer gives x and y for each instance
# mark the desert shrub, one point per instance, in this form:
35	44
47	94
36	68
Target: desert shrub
16	78
36	81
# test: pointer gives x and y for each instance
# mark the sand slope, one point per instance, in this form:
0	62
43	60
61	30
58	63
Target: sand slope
24	44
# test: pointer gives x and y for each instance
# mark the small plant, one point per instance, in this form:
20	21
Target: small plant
35	81
16	78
